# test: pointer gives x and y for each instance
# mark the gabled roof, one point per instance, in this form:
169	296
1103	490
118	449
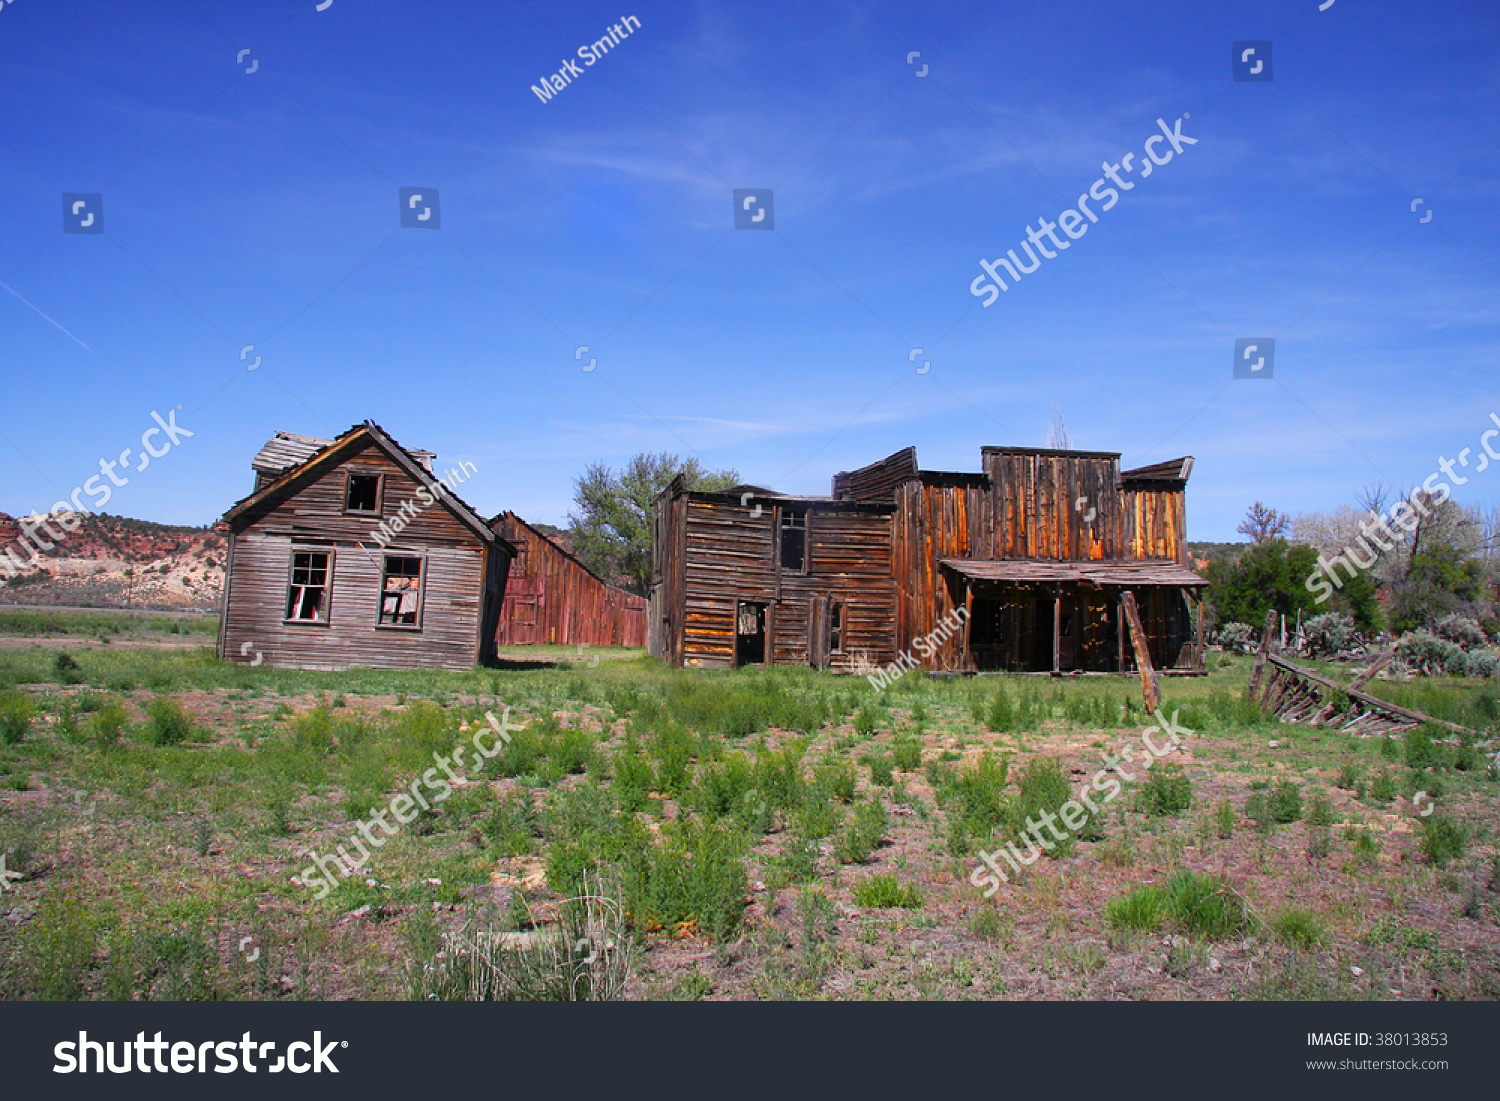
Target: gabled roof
332	452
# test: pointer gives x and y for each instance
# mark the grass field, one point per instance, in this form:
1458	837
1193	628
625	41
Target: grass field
749	834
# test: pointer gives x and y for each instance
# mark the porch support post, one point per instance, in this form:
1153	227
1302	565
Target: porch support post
1057	631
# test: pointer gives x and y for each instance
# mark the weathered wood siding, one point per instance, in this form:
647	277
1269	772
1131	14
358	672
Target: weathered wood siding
878	481
711	553
1155	523
1043	500
849	563
550	598
950	516
310	516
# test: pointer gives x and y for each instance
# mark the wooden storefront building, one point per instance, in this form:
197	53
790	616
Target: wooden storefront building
1031	556
308	585
552	598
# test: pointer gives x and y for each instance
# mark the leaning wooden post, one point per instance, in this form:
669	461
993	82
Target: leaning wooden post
1260	655
1375	666
1150	688
1057	632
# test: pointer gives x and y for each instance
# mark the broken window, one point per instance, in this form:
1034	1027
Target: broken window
836	628
401	592
362	493
794	540
307	596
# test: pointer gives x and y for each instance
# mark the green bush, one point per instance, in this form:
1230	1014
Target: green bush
1298	928
66	669
907	753
694	874
882	769
1224	820
634	779
1142	909
167	721
1206	906
110	722
1001	716
1044	788
881	892
16	712
1383	788
863	833
835	780
1167	791
1286	802
867	721
975	796
1420	750
1442	839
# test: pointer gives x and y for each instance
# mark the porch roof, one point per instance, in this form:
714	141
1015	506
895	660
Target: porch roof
1127	574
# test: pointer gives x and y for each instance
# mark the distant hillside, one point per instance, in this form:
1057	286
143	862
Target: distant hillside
113	561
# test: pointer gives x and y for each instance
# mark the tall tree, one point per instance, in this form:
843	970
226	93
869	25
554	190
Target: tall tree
1264	524
611	526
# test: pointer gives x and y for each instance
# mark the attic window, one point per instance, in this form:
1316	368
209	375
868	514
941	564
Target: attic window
794	540
363	493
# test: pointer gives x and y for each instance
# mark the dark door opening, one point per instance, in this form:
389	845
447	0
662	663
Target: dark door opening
750	634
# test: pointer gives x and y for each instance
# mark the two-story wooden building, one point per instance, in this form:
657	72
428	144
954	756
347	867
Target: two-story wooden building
1031	556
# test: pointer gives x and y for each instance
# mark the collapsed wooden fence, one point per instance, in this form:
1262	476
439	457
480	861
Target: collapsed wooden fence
1297	695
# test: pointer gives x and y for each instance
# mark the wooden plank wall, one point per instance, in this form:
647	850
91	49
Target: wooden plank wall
936	519
311	515
567	605
1037	514
849	562
710	554
1155	523
727	557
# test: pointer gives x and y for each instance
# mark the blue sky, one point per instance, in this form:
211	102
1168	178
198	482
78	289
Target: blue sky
261	208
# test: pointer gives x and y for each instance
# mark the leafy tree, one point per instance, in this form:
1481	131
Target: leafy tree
611	527
1268	575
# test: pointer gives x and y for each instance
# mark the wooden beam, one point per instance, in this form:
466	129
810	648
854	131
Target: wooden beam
1057	633
1260	655
1375	666
1150	687
1199	642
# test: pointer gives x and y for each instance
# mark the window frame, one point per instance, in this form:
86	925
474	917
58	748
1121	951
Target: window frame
380	592
287	618
355	472
783	513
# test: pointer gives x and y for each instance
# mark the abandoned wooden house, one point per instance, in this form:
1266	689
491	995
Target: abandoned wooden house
552	598
349	552
1021	567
